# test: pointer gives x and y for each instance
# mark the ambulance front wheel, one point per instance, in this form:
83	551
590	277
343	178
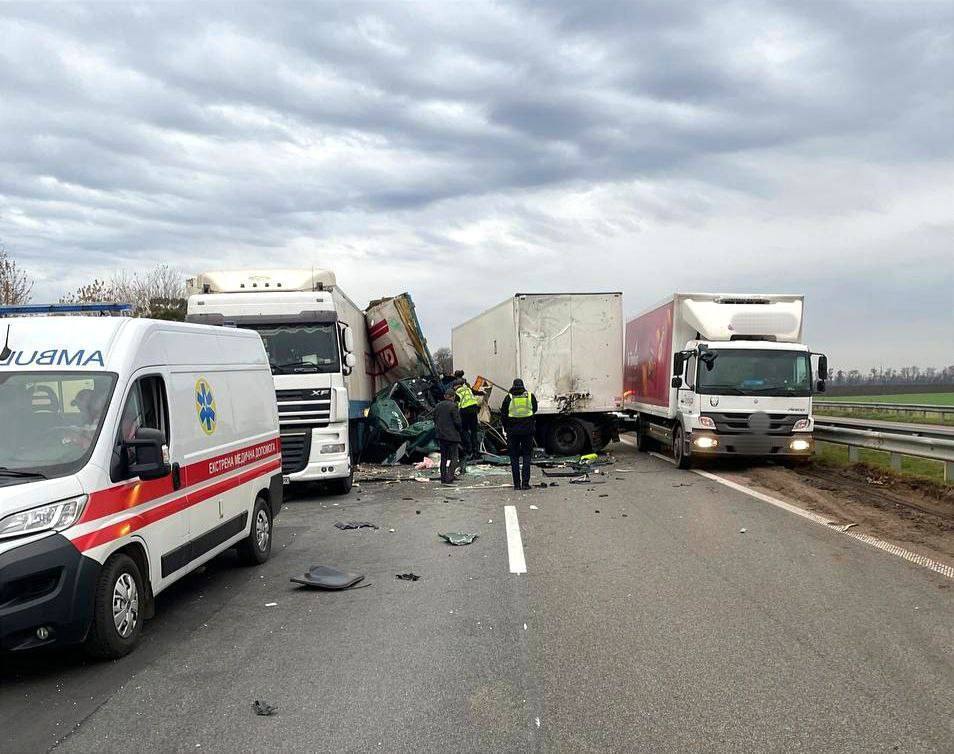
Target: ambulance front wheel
257	546
117	609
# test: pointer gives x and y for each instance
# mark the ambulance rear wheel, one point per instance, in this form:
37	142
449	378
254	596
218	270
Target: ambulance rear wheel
117	609
257	546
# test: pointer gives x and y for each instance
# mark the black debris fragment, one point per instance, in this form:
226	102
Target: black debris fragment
324	577
603	495
407	576
263	708
457	537
355	525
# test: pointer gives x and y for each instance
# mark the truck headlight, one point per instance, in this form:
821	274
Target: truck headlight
799	445
801	425
705	442
53	517
706	422
333	448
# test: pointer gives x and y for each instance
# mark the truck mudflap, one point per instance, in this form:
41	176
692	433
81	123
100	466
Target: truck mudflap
45	584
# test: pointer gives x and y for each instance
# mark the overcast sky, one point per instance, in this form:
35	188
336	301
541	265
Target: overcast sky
464	151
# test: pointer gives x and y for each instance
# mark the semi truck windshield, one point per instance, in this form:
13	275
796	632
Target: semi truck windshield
754	372
52	420
301	348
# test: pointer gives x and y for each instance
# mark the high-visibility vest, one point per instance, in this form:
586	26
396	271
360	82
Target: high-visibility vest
466	396
521	406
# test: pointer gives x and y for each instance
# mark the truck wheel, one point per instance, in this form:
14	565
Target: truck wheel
117	609
566	437
257	546
679	454
642	440
342	486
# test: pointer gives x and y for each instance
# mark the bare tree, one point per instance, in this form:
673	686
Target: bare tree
444	360
16	286
97	292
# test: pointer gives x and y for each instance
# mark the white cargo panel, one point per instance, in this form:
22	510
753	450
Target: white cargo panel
566	347
360	382
236	281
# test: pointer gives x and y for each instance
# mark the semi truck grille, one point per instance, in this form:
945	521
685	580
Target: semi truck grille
296	448
303	408
743	423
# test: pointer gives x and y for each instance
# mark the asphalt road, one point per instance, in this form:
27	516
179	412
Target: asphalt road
646	622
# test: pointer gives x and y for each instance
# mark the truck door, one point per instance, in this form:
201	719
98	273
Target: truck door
687	393
146	406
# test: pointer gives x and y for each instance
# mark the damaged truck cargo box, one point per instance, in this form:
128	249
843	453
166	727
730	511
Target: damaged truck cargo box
397	341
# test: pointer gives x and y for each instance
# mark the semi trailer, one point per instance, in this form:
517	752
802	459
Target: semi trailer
318	351
567	349
716	374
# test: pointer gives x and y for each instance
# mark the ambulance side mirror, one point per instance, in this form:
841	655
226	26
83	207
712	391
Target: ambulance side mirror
149	454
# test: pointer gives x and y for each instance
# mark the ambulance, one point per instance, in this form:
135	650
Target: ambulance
132	451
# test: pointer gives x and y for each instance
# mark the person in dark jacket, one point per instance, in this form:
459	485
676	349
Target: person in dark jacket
447	426
517	412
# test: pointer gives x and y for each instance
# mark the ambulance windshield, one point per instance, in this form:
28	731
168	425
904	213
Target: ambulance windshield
51	421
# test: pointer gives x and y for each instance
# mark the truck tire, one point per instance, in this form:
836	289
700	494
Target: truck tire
342	486
641	438
566	437
257	546
679	454
117	609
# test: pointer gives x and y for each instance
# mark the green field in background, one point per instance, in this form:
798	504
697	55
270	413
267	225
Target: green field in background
837	455
935	399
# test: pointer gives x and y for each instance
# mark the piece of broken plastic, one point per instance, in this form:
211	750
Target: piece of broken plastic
457	537
407	576
324	577
355	525
263	708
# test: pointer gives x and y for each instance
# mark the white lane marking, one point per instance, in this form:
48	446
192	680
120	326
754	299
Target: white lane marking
518	563
911	557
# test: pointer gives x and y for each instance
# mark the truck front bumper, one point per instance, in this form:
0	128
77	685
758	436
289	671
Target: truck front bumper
45	584
798	445
329	455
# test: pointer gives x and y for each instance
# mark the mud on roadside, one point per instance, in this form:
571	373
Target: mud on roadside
911	513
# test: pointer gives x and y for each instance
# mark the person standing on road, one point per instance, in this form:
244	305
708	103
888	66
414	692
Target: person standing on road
469	409
517	411
447	426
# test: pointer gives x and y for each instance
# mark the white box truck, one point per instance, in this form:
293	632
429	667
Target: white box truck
567	348
134	451
317	345
722	374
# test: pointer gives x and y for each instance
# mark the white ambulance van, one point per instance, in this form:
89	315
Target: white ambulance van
131	452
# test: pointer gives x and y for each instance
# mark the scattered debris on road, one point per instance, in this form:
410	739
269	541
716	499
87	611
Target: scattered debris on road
457	537
742	531
355	525
324	577
534	508
264	708
407	576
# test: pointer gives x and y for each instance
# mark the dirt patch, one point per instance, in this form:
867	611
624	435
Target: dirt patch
916	515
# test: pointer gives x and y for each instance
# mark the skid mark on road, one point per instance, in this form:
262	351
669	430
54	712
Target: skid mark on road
518	563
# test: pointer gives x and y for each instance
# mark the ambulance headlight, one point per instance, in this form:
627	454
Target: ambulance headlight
53	517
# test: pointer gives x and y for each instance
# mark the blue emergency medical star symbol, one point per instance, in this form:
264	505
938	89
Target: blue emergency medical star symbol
205	404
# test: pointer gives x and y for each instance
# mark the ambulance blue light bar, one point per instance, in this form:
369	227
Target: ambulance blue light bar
104	310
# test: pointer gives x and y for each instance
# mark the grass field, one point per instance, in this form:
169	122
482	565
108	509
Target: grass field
837	455
934	399
918	416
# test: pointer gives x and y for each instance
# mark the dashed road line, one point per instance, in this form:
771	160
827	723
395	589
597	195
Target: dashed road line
518	563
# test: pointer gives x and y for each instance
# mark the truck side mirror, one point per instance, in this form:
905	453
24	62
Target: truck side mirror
676	382
678	362
149	453
348	340
349	361
822	368
820	386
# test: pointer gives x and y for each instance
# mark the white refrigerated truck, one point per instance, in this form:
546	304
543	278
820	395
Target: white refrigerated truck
317	345
722	374
567	349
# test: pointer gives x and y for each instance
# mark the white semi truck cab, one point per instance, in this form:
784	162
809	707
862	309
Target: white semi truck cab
723	374
313	335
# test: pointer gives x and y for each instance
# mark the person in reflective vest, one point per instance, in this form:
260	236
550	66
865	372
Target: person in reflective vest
469	409
517	412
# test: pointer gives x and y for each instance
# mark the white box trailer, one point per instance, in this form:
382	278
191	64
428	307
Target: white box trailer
567	348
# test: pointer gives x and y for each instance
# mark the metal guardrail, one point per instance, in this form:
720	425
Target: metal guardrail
919	441
911	408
